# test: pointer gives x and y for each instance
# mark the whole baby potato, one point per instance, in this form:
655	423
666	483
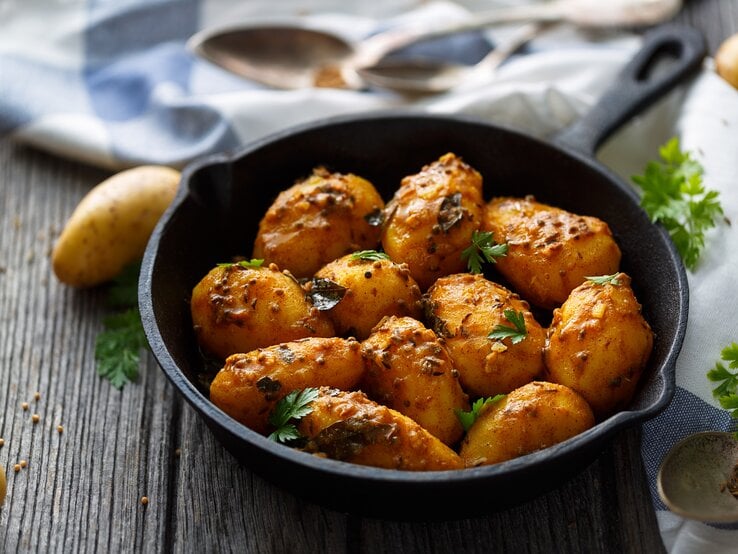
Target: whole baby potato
249	385
726	60
431	219
409	370
112	224
318	220
530	418
549	250
349	426
375	287
598	343
463	309
241	307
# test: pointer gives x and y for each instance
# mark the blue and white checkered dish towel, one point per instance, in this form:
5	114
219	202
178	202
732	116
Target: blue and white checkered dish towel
111	83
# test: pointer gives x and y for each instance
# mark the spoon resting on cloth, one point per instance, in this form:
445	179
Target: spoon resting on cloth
293	57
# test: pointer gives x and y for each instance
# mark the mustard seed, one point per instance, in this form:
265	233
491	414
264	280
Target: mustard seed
35	418
2	443
24	405
37	396
16	468
60	429
144	500
23	463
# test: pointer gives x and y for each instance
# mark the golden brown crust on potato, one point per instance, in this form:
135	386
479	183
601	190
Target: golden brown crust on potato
550	251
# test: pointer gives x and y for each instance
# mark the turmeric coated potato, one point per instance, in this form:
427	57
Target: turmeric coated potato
409	370
237	308
550	251
463	309
431	218
348	426
598	344
532	417
374	288
318	220
250	384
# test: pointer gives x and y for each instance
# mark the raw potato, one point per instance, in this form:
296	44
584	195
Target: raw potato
318	220
431	219
3	485
237	309
532	417
598	344
550	251
374	289
726	60
409	370
249	385
463	309
110	227
348	426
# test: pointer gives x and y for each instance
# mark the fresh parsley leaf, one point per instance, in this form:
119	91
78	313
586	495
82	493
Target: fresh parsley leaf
123	292
252	263
117	348
467	419
605	279
292	407
516	333
483	248
372	255
674	196
727	390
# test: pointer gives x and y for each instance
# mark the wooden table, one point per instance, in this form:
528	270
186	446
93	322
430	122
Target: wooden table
81	489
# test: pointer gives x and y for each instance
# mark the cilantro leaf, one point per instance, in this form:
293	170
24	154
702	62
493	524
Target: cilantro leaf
605	279
117	348
727	390
467	419
292	407
516	333
252	263
483	248
372	255
674	196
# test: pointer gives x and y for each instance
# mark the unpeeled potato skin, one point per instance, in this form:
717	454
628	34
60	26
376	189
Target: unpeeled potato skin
318	220
598	344
3	485
409	370
250	384
726	60
550	251
530	418
238	309
349	426
431	219
110	227
374	289
463	309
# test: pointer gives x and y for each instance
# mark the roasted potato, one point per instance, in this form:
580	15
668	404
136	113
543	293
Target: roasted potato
238	308
463	309
318	220
598	343
250	384
348	426
431	218
550	251
375	288
409	370
532	417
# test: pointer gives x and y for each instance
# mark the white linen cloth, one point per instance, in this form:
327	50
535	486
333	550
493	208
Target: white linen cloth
111	83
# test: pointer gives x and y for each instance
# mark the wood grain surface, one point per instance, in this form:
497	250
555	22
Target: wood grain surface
81	489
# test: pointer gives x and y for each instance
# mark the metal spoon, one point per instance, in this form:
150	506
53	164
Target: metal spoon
291	57
698	478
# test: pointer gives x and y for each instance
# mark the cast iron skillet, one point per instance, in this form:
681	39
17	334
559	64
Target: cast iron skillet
222	198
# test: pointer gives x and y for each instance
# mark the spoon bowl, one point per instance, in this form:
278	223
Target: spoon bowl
698	478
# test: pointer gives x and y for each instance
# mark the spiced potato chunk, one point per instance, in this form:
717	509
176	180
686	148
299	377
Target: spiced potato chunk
464	309
318	220
238	308
349	426
549	251
250	384
409	370
431	218
599	343
372	286
532	417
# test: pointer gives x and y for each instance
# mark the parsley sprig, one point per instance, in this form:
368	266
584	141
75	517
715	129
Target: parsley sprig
294	406
483	248
673	195
727	391
467	419
516	333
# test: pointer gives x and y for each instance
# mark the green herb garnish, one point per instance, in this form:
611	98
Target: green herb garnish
516	333
372	255
727	391
467	419
605	279
483	248
673	195
252	263
292	407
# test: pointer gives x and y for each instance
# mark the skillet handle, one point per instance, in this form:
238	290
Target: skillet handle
638	85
